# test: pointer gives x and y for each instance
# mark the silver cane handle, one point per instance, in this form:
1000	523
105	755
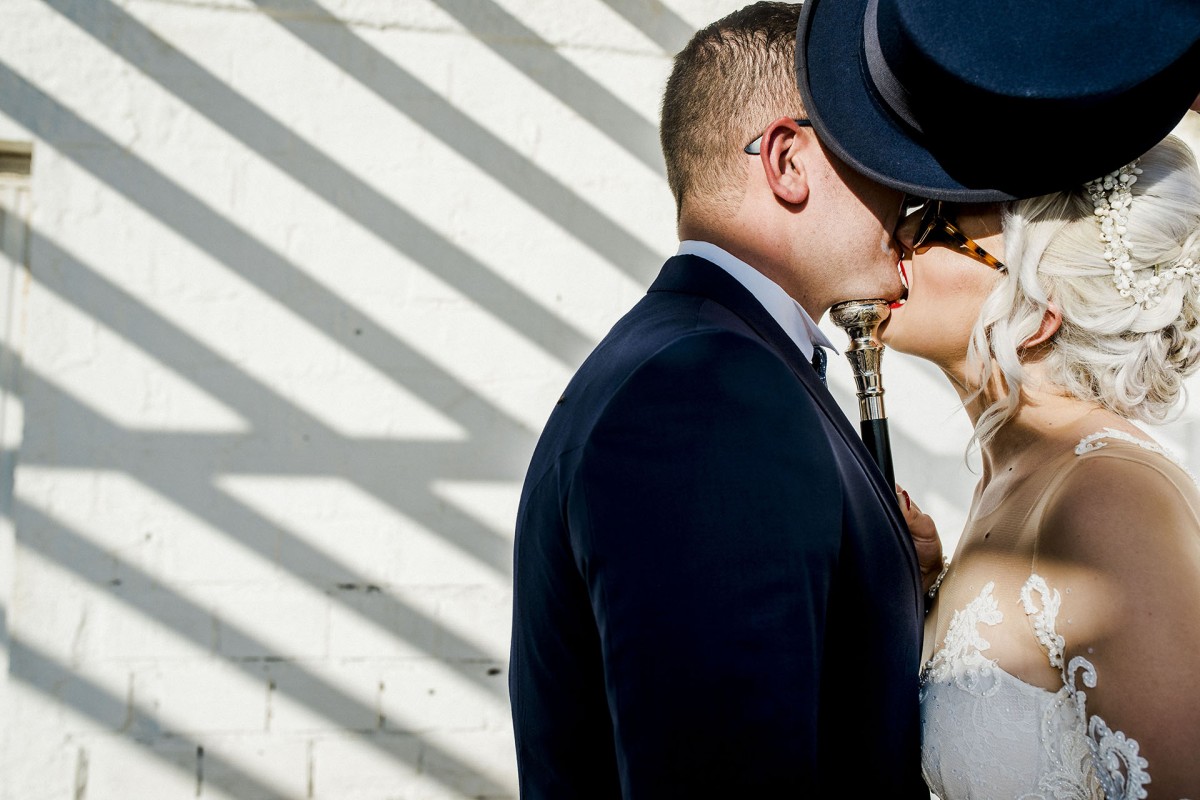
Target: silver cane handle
860	319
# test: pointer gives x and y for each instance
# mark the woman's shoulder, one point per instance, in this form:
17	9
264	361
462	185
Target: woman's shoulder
1121	492
1134	466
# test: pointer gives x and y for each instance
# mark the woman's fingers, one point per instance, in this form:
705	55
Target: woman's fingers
924	535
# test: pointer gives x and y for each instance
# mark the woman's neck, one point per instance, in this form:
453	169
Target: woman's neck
1046	420
1043	426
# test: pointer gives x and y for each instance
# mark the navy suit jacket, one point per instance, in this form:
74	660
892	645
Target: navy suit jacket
715	594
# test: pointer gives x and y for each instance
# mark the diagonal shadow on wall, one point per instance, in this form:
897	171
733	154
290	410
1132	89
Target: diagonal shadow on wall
521	47
198	223
155	193
125	582
657	22
336	42
314	169
109	447
284	440
42	673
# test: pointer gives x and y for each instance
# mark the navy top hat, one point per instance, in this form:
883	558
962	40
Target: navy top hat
983	100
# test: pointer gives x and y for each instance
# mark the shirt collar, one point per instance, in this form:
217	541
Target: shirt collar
790	315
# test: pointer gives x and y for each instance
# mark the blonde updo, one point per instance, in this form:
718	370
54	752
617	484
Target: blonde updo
1109	349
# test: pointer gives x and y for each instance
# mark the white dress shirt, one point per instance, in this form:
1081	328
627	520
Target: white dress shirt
790	315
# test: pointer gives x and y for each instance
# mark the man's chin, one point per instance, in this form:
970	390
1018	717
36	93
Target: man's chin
891	297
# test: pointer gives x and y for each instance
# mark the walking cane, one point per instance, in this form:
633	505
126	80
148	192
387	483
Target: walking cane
860	320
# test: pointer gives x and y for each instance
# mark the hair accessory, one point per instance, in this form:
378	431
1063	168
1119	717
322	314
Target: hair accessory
1111	197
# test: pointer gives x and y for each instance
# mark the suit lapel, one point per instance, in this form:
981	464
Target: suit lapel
689	274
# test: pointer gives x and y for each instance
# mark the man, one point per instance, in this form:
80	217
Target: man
715	594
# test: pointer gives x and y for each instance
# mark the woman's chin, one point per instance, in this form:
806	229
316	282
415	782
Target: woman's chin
891	331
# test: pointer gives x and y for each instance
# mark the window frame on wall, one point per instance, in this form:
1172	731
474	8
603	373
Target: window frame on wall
16	160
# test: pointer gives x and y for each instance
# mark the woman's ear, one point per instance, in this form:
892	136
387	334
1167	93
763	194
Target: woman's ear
1051	322
783	161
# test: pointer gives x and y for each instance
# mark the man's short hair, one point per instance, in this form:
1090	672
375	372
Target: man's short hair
732	80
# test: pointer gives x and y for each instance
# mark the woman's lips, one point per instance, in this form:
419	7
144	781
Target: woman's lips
903	280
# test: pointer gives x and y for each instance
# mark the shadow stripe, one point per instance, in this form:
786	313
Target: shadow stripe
303	561
496	450
72	280
198	223
327	35
659	23
45	675
281	424
156	601
520	46
276	144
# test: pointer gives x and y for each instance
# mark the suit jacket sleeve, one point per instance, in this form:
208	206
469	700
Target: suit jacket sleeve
705	517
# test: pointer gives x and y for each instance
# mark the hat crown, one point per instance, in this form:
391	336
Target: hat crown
982	100
1065	49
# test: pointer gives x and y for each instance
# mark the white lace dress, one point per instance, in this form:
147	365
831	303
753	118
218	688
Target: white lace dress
988	734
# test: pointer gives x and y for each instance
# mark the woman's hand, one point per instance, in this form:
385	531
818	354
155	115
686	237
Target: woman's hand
925	538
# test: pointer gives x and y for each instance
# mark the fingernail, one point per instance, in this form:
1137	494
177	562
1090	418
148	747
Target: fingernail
907	502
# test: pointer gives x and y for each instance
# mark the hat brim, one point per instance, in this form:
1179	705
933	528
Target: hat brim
849	119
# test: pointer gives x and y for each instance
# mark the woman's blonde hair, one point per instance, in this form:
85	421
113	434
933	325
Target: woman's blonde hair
1109	349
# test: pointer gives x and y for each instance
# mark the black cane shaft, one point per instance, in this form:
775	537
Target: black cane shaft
875	437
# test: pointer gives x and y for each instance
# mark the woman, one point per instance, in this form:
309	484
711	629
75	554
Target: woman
1063	645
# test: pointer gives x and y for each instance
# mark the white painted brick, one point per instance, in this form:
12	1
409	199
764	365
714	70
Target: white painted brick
312	697
483	612
256	766
352	767
279	620
34	763
193	698
356	539
470	623
426	695
115	766
378	696
489	754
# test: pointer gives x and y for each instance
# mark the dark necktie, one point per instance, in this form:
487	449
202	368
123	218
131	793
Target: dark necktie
819	360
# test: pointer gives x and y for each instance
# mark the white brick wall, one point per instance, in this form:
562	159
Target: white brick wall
304	281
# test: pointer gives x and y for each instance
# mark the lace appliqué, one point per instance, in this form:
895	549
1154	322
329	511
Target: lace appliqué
1043	620
1083	752
961	655
1095	441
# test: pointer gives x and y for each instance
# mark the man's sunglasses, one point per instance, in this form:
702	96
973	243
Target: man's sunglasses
755	147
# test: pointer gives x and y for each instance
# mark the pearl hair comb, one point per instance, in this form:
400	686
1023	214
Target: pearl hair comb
1111	197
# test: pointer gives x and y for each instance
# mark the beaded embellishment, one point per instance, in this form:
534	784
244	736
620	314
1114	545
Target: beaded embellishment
1111	199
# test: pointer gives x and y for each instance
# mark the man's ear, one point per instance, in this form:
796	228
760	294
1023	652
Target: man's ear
783	150
1051	322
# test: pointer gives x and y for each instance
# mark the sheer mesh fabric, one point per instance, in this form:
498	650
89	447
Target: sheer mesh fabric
1063	648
